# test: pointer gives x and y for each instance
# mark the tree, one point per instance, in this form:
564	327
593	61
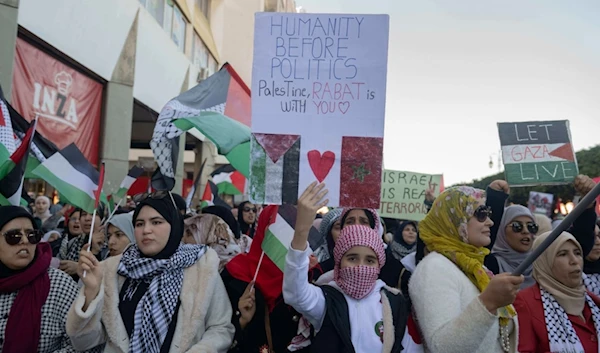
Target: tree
589	164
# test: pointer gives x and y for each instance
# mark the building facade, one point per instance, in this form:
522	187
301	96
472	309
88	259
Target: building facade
111	65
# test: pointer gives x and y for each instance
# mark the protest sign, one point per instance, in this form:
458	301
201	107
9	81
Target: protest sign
537	153
403	194
318	107
541	203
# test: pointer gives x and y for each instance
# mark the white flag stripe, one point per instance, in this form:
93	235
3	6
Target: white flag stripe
62	169
127	182
516	154
222	177
282	231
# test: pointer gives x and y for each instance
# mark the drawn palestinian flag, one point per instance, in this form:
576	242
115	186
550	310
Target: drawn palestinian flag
274	168
229	180
280	232
134	173
360	179
537	153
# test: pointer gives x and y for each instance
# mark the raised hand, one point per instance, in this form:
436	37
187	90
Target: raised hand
93	277
247	305
309	203
501	291
500	185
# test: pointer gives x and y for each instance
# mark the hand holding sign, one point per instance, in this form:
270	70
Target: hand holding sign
584	184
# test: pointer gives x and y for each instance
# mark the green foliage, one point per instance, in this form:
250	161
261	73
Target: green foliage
589	164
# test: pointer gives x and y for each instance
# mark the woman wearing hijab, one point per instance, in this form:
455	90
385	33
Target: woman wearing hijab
247	214
513	243
460	306
158	296
226	215
330	230
355	312
556	314
119	232
41	210
34	297
212	231
405	240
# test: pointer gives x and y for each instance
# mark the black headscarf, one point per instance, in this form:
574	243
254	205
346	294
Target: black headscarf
165	207
226	215
7	214
398	238
367	212
245	228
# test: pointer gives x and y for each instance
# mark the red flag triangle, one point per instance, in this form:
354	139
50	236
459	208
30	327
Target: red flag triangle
565	152
276	146
99	190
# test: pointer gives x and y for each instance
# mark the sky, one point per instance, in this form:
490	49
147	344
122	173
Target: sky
457	68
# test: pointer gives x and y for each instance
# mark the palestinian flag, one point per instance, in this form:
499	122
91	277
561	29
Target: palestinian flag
217	108
538	153
7	136
12	170
211	196
228	180
130	178
274	168
280	232
41	147
70	173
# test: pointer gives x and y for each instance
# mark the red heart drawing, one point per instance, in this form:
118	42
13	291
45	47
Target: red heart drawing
321	165
344	106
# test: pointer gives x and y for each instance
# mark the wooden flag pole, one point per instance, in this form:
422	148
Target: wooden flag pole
90	239
257	269
571	217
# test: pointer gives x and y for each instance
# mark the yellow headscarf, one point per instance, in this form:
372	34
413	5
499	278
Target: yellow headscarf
444	230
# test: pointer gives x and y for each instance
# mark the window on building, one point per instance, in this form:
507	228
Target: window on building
200	53
156	9
179	25
168	17
204	6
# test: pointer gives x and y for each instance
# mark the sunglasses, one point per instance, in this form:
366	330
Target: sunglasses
13	236
482	213
248	209
157	195
517	227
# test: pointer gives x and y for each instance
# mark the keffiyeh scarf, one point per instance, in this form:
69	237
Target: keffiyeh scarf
592	282
561	334
156	308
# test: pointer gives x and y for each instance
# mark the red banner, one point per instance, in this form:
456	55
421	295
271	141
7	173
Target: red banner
67	102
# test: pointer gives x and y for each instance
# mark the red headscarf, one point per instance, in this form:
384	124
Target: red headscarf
23	328
242	267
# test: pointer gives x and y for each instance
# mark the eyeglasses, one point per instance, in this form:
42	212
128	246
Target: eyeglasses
160	194
517	227
482	213
13	236
248	209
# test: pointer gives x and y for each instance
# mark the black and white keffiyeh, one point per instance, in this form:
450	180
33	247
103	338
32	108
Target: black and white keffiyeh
156	308
592	282
561	334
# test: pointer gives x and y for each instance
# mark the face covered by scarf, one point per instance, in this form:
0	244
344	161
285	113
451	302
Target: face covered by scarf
444	230
509	259
164	273
212	231
357	281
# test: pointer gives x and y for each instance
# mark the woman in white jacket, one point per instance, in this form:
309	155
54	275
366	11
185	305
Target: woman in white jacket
460	306
158	296
356	311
